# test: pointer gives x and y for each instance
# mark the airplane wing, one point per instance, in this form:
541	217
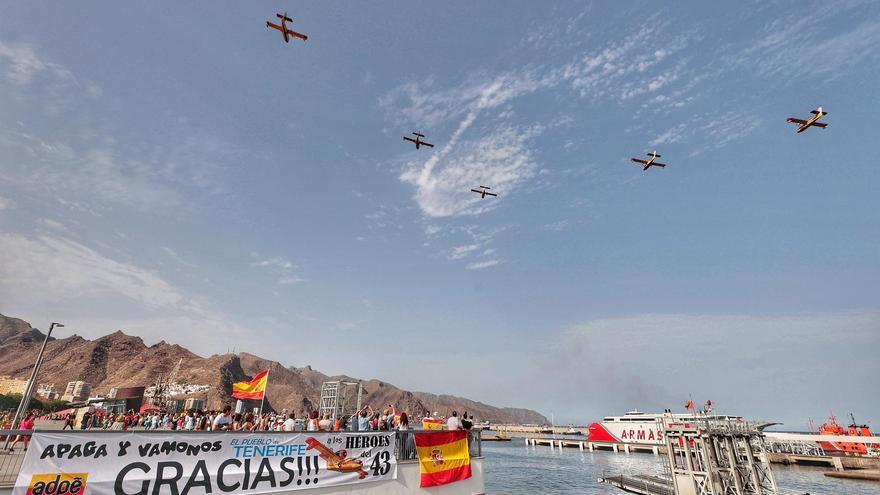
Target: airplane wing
796	121
819	124
661	165
274	26
636	160
298	35
325	453
429	145
476	191
490	194
409	139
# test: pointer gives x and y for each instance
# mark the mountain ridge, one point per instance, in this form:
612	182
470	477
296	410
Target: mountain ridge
122	360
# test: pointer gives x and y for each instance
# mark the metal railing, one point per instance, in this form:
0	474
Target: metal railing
406	444
405	448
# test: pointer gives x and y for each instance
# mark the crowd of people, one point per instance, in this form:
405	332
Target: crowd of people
366	419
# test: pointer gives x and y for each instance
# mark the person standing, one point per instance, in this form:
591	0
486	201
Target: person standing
26	424
467	422
290	423
326	424
68	421
223	420
453	423
312	425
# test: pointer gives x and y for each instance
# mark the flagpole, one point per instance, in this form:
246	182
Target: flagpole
266	389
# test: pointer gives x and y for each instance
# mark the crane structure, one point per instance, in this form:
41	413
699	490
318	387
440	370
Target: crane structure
333	398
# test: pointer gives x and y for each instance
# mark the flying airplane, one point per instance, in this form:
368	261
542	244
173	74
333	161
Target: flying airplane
651	162
483	191
418	140
803	125
287	33
337	461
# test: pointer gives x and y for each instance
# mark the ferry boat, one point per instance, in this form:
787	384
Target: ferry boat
642	428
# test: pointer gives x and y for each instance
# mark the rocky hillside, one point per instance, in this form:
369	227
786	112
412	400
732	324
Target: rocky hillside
120	360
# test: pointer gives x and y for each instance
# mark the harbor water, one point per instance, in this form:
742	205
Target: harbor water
512	468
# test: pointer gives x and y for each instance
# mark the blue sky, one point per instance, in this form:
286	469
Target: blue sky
180	173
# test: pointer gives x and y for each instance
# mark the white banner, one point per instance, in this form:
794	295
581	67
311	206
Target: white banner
137	463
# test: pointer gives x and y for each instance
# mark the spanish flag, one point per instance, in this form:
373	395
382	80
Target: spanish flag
443	457
253	389
432	424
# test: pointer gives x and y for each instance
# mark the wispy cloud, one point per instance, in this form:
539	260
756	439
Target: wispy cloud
23	65
811	43
176	257
479	265
501	160
557	226
501	155
672	135
6	204
86	164
48	269
459	252
276	261
284	267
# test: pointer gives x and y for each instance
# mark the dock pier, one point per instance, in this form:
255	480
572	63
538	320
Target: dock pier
585	445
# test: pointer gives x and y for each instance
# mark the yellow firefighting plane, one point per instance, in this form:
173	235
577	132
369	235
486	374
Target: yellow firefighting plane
287	33
337	461
650	162
803	125
418	140
483	191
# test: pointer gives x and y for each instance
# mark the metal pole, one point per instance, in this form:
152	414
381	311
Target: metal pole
29	390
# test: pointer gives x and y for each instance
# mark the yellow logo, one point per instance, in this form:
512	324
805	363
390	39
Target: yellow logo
58	484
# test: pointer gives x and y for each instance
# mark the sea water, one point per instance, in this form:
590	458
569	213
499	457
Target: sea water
513	468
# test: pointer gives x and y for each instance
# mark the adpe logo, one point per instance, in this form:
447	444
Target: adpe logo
58	484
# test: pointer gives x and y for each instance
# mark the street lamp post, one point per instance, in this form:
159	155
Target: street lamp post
29	390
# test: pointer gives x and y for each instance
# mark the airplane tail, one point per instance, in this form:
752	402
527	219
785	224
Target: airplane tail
284	17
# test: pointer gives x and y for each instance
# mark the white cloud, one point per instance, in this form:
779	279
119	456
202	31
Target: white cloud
459	252
93	169
284	266
176	257
557	226
479	265
805	43
47	278
6	204
22	64
671	135
500	160
50	268
276	261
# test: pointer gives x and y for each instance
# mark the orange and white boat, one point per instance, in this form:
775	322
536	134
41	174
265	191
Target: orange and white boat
832	427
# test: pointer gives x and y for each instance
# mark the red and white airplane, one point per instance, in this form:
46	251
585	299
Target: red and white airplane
651	162
483	191
418	140
287	33
803	125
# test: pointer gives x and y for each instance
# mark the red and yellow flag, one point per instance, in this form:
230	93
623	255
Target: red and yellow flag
253	389
432	424
443	457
